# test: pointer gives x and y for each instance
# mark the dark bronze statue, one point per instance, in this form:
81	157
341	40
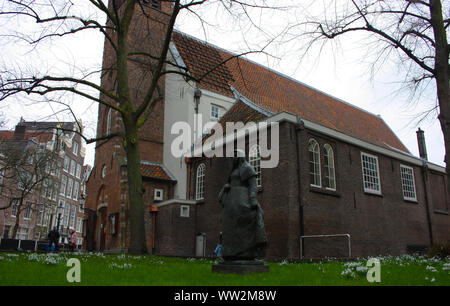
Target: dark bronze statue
243	232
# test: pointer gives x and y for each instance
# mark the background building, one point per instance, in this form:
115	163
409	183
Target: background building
57	200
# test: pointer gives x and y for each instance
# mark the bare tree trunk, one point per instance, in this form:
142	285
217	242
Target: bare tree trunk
441	68
135	195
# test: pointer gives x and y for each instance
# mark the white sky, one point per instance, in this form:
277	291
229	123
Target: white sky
338	72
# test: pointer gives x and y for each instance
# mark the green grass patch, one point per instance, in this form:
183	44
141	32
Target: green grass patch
33	269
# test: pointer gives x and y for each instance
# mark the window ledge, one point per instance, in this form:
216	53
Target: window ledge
441	212
411	201
324	191
372	193
202	201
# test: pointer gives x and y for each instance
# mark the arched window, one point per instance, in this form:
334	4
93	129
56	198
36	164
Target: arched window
330	176
254	159
108	122
314	163
200	182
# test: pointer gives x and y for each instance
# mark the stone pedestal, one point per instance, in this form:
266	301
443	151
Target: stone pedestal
240	267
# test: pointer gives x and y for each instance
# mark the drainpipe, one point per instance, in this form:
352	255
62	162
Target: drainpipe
427	189
298	128
424	156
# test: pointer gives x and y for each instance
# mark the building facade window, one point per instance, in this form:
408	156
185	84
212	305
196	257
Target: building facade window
371	173
184	211
330	173
75	148
62	191
408	183
27	211
78	171
66	214
200	182
73	166
159	194
76	188
14	207
314	164
22	233
25	180
79	225
69	188
254	159
73	213
214	113
103	171
6	230
66	163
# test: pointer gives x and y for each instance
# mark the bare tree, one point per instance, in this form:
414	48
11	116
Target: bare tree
413	31
127	32
28	178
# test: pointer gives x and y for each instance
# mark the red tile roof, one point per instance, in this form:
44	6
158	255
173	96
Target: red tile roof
274	92
154	170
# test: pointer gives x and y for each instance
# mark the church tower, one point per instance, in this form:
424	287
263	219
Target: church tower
107	204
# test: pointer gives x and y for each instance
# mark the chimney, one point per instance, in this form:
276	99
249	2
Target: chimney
19	132
421	143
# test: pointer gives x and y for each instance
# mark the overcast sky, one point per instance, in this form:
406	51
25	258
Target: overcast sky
341	72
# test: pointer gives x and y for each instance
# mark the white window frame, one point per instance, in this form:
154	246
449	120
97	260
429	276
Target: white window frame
76	189
79	224
27	212
200	182
14	207
73	215
159	194
79	167
184	211
254	159
214	113
66	214
66	163
368	189
69	188
403	179
62	190
315	162
22	233
75	148
330	165
73	167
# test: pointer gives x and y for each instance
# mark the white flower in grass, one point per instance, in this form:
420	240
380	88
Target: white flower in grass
121	266
446	267
431	268
433	280
284	262
50	260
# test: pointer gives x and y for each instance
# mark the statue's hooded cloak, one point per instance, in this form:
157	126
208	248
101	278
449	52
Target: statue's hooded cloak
243	230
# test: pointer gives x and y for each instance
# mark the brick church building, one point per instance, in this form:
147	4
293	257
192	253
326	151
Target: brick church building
344	184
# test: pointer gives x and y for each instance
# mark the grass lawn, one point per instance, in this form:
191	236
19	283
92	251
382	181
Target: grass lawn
121	270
